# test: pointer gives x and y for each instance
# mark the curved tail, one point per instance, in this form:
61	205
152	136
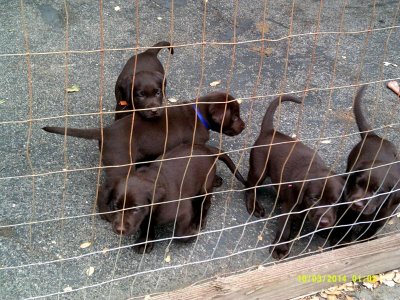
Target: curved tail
362	123
90	134
160	44
229	163
268	121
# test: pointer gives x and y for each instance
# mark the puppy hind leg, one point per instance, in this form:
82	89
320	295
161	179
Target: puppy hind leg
256	176
147	234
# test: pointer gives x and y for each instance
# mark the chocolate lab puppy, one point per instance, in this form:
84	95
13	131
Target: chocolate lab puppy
373	183
149	85
149	136
179	178
286	161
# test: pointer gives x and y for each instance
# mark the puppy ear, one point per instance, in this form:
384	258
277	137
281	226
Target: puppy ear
217	112
158	196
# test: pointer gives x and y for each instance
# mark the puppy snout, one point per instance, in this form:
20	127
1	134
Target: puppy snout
324	222
120	229
358	205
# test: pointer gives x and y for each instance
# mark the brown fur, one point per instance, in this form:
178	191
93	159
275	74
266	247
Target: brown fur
294	196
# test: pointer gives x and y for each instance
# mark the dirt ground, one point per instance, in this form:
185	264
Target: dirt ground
46	218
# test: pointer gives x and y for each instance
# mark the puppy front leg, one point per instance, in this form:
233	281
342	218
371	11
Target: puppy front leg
283	233
147	234
103	203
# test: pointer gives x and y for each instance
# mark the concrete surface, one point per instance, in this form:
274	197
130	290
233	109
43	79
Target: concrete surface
45	258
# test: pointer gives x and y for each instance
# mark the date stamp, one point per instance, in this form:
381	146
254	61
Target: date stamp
335	278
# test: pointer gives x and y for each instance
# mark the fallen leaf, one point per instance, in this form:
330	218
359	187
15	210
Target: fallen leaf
173	100
90	271
344	57
265	51
391	222
348	297
262	27
386	63
215	83
85	245
323	295
397	278
314	298
73	88
117	8
331	297
368	285
389	283
105	250
239	100
326	141
159	18
147	297
260	238
67	289
168	258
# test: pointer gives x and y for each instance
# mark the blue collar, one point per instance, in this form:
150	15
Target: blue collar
201	118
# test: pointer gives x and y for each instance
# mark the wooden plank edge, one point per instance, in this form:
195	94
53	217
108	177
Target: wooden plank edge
280	281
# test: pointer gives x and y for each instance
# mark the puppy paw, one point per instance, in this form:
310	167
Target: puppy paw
280	251
217	181
144	248
256	209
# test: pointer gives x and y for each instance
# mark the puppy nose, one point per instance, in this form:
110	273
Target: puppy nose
120	229
358	205
324	222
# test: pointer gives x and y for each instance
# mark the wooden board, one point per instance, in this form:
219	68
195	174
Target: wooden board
281	281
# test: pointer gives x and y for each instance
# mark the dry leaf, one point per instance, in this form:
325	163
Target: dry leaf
147	297
349	298
389	283
168	258
391	222
323	295
173	100
397	278
73	88
265	51
326	141
262	27
159	18
331	297
368	285
90	271
215	83
239	100
85	245
67	289
314	298
387	276
117	8
386	63
260	238
105	250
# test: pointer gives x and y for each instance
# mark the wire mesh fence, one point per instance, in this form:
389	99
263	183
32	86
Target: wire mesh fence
60	63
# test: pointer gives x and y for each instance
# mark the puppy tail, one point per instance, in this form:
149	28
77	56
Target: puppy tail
160	44
229	163
268	121
90	134
362	123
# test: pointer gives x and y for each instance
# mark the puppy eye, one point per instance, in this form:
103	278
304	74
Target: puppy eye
158	93
235	118
140	94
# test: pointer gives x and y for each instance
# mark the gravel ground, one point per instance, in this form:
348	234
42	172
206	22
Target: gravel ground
43	258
